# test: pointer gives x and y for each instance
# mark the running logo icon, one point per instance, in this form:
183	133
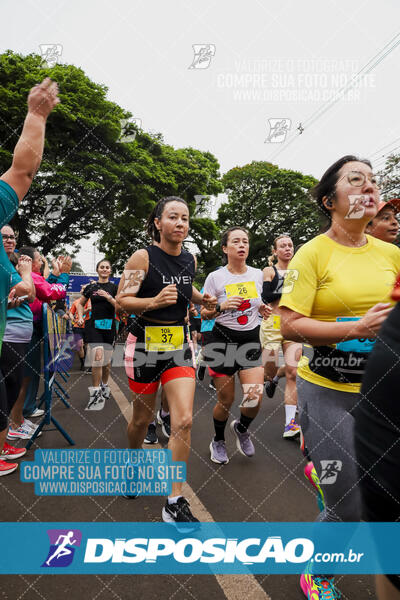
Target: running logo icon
204	205
203	54
251	395
54	206
278	129
356	206
129	129
50	53
63	543
330	471
291	276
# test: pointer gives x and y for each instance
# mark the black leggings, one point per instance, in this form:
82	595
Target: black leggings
377	431
11	374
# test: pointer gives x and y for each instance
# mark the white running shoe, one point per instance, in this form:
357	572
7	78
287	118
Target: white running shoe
23	432
30	424
38	412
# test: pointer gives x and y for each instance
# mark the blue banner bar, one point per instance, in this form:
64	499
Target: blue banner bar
113	472
214	548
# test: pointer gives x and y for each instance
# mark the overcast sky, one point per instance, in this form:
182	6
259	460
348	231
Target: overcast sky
264	60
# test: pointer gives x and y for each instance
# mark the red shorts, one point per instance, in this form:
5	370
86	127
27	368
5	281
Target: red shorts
145	370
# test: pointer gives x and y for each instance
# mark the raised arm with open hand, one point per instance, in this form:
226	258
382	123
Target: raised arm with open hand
29	149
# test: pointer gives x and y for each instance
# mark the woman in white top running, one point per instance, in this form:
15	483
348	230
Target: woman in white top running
233	346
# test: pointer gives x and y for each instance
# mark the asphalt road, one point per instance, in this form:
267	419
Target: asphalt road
268	487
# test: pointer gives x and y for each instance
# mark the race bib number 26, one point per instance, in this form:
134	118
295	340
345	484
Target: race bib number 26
246	290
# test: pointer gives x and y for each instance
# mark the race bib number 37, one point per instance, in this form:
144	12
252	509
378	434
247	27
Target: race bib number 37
246	290
163	339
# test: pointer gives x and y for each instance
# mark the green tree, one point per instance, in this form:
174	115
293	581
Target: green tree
76	267
84	168
390	178
92	179
268	201
185	172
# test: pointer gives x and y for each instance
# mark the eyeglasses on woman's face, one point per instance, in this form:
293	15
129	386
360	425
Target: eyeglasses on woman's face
358	179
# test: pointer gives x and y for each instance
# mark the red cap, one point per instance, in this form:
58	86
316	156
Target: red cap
395	202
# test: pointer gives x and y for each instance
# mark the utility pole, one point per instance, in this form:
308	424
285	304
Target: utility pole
94	258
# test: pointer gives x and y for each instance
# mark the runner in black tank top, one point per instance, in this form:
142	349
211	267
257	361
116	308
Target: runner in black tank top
271	338
99	332
157	285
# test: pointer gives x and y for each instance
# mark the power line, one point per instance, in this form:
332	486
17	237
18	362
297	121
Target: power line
366	69
355	79
381	161
384	147
319	112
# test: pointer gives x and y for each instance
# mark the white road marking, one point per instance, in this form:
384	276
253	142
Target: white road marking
234	587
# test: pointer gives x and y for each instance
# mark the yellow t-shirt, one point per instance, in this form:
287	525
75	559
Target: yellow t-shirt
327	280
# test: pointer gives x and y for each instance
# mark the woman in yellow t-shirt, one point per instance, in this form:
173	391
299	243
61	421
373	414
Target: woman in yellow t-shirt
337	305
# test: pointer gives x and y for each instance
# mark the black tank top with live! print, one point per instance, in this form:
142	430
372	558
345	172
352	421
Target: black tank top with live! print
165	269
